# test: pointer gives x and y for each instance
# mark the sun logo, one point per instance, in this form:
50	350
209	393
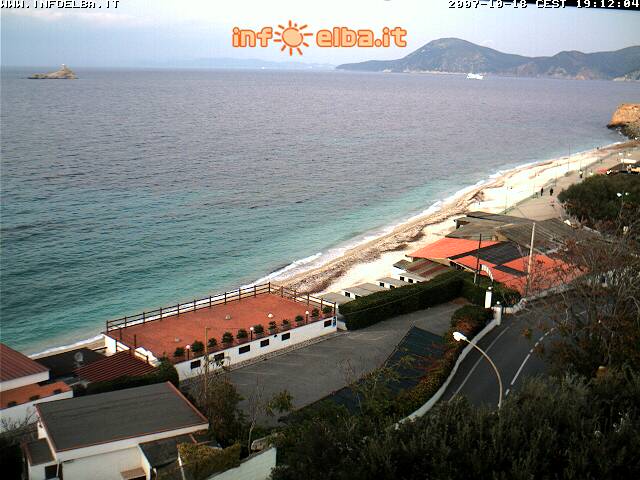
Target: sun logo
292	37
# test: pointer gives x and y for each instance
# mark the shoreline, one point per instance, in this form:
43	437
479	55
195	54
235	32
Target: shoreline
373	256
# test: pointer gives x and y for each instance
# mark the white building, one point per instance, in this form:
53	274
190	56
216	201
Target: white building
100	436
23	384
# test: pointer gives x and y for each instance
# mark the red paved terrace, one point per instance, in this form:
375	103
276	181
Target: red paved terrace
162	337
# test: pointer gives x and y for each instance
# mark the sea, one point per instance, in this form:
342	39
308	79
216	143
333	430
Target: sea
127	190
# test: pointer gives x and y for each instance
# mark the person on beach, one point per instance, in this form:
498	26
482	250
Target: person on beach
542	192
551	192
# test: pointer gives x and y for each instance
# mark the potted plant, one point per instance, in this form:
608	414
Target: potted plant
258	330
179	353
227	338
327	310
286	325
242	334
273	326
299	319
213	343
315	313
197	347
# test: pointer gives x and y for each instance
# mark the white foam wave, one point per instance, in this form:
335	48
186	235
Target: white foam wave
71	346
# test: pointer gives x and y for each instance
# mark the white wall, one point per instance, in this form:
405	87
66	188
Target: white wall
19	413
233	356
256	467
23	381
106	466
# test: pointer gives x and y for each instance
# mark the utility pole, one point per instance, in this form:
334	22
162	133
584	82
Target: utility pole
475	274
533	235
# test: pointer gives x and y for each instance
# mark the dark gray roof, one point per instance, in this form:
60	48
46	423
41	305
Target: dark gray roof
497	217
107	417
38	452
63	364
550	234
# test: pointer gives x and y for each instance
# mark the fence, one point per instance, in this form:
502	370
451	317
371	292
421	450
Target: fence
219	299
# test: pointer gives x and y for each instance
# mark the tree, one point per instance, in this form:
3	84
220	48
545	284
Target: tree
596	202
259	405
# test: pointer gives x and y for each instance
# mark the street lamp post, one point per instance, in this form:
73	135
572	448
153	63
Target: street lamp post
306	317
251	333
460	336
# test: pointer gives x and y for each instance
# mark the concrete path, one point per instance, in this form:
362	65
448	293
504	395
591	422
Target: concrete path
315	371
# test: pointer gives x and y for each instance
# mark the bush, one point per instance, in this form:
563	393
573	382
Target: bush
259	329
273	325
201	461
476	293
299	319
197	346
179	352
227	338
165	372
327	310
315	313
242	333
379	306
213	343
286	323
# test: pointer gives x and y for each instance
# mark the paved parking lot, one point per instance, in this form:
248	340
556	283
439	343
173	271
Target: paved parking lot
312	372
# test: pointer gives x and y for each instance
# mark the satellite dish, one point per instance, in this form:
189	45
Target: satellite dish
78	357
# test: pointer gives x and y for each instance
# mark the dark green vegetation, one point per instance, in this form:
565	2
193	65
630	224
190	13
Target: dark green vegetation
201	461
459	56
555	429
595	201
369	310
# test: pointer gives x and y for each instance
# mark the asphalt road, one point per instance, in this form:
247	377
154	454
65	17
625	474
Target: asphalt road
514	353
315	371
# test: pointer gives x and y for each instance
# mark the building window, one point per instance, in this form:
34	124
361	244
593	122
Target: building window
391	286
402	279
410	280
264	343
195	364
51	471
218	357
347	294
286	336
244	349
382	284
327	323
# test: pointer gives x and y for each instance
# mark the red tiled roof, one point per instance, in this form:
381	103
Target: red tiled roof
449	247
24	394
16	365
117	365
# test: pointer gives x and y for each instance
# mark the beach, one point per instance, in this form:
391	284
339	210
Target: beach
501	193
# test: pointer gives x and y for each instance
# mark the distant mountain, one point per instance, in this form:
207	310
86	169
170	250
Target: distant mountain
453	55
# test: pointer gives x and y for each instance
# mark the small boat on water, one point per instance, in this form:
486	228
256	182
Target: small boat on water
474	76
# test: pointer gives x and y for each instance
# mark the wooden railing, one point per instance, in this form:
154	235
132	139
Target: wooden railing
219	299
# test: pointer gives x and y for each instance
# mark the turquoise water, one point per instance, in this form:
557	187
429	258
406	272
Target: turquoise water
131	190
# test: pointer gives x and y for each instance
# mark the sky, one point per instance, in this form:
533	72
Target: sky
172	32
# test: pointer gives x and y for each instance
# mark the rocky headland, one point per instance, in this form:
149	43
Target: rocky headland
626	118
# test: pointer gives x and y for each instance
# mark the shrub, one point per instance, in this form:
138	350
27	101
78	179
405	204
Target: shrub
259	329
379	306
179	352
242	333
273	325
227	337
299	319
315	313
476	293
327	310
197	346
285	323
201	461
213	343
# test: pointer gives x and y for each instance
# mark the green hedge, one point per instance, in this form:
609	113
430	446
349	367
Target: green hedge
374	308
165	372
379	306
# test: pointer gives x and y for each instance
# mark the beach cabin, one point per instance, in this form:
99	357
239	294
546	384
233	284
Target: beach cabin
23	384
389	282
108	436
361	290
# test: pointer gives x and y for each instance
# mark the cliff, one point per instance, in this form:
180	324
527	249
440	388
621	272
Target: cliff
65	73
627	119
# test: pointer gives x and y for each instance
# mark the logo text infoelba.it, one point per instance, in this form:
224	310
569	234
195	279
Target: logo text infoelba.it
294	37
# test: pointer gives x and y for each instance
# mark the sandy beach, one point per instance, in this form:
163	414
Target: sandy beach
374	259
